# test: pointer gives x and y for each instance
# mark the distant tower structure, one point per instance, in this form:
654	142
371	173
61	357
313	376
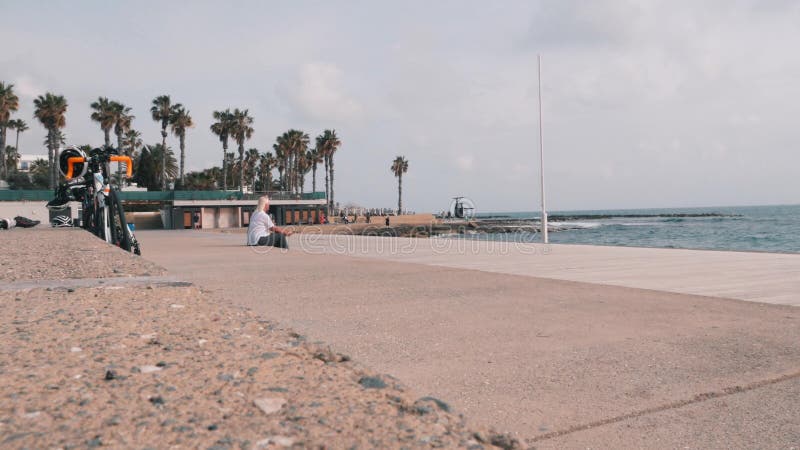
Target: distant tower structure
461	211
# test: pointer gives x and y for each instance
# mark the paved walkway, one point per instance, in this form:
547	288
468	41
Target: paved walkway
562	364
761	277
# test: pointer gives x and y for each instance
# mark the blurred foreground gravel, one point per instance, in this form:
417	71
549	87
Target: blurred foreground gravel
157	363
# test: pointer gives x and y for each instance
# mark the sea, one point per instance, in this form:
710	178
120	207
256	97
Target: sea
736	228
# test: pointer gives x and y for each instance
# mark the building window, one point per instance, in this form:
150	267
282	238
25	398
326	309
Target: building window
24	165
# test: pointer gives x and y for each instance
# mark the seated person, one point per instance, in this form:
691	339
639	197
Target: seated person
262	230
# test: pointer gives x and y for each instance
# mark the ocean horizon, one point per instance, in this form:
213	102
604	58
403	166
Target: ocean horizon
764	228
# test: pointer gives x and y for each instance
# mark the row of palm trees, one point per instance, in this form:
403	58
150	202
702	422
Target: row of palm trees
12	153
111	114
292	158
9	102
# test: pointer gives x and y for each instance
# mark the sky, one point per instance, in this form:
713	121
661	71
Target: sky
645	103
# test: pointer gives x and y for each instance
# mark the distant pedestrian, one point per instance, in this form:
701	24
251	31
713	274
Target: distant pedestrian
196	221
387	221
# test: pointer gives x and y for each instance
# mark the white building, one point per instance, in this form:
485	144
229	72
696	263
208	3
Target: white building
25	161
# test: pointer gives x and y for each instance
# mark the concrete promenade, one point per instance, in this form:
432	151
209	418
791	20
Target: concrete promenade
559	345
761	277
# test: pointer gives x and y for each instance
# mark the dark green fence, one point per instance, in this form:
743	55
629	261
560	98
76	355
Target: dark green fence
165	196
25	195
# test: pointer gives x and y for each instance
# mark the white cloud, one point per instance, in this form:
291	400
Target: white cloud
27	88
319	92
465	163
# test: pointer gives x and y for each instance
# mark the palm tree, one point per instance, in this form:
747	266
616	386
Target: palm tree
122	118
9	102
329	143
282	151
203	181
19	126
251	161
306	164
316	157
298	142
291	146
230	165
149	170
163	111
280	163
222	128
40	172
50	110
241	130
266	163
103	113
12	157
181	121
399	167
132	142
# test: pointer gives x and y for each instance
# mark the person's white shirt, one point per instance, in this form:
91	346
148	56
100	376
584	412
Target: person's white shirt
260	225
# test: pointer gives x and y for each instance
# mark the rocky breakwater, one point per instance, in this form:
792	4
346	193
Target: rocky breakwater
103	348
425	230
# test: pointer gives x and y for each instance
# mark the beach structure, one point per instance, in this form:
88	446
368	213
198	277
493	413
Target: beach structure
233	211
25	161
175	210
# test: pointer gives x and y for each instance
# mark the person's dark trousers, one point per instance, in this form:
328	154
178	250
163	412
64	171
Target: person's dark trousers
274	240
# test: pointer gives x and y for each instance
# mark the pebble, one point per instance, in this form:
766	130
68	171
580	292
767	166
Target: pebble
269	405
372	382
283	441
75	349
149	369
176	306
440	404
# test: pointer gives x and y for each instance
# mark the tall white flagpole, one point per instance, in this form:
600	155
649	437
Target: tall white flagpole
541	154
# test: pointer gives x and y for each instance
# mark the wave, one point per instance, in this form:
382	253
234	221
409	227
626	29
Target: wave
574	225
569	217
635	224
